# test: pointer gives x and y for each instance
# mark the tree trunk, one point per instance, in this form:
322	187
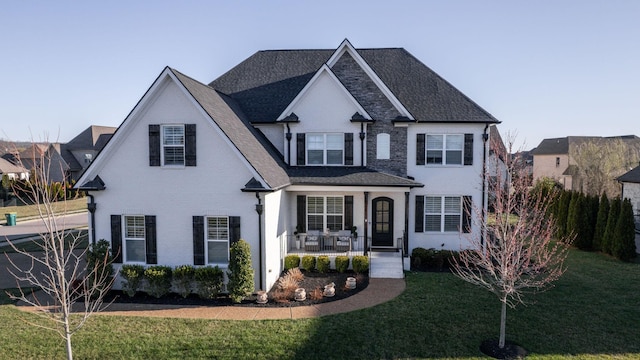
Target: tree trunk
503	325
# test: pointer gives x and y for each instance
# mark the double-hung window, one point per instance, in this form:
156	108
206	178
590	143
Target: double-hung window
325	212
443	213
217	238
134	238
173	141
325	149
445	149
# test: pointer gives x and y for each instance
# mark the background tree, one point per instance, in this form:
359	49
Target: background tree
518	256
610	230
601	222
624	244
65	280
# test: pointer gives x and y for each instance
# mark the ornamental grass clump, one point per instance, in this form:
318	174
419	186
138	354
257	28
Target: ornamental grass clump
132	275
209	281
183	276
240	271
158	280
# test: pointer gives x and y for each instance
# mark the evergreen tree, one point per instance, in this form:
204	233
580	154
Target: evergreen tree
562	214
624	244
612	219
572	216
240	271
601	222
579	222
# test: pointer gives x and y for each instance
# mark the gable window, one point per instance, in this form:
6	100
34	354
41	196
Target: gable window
325	149
173	145
557	161
325	212
443	213
134	238
445	149
217	238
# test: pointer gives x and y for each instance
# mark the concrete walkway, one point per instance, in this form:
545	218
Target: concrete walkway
378	292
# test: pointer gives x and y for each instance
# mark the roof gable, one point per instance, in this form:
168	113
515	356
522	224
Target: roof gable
324	70
632	176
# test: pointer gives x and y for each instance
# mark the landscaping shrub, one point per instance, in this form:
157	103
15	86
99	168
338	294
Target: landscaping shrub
291	261
99	261
132	275
182	278
209	281
309	262
624	243
158	280
601	222
342	263
323	264
296	274
360	264
240	271
610	230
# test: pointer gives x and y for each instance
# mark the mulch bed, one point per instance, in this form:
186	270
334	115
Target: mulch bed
311	282
509	351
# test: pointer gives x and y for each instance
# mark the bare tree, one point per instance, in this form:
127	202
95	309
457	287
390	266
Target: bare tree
70	291
515	255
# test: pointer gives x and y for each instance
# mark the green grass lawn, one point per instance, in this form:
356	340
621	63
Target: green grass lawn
32	210
593	312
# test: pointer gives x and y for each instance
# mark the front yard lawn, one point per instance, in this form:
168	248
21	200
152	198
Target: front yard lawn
593	312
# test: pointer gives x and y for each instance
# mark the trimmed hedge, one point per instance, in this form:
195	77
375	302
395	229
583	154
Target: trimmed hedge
291	261
360	264
342	263
132	275
209	281
431	259
309	262
182	278
323	263
158	280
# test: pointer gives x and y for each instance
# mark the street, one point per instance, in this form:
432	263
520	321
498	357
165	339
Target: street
30	228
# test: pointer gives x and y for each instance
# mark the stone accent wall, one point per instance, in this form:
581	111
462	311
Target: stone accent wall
383	112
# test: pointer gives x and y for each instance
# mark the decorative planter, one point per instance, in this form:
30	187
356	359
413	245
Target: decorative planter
262	297
329	290
351	283
300	294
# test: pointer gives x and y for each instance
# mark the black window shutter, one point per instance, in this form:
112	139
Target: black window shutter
234	229
468	149
198	240
419	213
302	212
348	212
154	145
301	149
348	148
190	144
420	149
116	238
150	239
466	214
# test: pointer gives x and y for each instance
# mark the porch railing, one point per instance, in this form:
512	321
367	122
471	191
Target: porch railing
326	245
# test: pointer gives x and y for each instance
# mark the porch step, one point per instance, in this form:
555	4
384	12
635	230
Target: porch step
386	265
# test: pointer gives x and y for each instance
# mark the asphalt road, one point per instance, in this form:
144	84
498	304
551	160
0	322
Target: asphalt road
29	228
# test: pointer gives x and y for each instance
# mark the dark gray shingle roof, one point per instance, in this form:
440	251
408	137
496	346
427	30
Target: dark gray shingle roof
346	176
265	83
633	176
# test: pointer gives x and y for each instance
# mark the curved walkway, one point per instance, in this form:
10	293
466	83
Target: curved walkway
378	292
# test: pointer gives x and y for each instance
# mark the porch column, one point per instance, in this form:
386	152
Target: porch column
405	235
366	222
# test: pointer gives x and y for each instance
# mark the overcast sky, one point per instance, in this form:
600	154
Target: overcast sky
544	68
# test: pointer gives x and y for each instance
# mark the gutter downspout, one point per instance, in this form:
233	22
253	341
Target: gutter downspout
485	139
260	210
288	136
91	206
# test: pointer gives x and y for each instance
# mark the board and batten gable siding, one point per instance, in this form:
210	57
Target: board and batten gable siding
175	195
448	180
324	108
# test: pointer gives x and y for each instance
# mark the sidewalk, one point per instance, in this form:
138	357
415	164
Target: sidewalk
379	291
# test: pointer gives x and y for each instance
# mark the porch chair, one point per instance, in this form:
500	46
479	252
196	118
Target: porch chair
312	241
343	240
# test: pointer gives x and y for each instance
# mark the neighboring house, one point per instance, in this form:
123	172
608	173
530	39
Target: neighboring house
553	158
631	190
289	150
13	172
65	161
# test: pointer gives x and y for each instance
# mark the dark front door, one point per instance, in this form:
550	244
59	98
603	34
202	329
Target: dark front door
382	222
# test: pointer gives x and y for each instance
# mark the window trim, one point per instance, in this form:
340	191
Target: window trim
443	214
325	212
443	150
126	238
325	148
163	146
207	240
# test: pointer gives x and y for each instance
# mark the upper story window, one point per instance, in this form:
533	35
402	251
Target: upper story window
383	146
325	149
445	149
217	238
173	145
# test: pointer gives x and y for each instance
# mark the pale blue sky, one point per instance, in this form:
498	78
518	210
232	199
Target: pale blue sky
544	68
